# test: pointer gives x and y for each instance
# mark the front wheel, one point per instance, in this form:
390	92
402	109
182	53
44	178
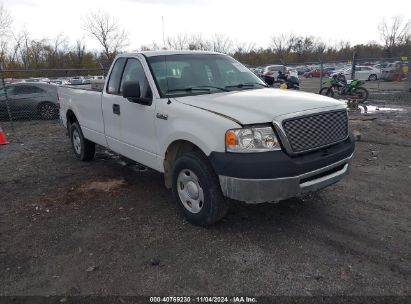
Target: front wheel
327	92
83	148
361	93
197	191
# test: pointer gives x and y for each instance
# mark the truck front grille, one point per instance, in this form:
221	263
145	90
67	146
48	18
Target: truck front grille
316	131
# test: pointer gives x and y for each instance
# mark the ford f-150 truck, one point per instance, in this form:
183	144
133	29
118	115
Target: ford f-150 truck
213	128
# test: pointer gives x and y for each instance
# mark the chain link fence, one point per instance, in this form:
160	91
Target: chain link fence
378	74
31	96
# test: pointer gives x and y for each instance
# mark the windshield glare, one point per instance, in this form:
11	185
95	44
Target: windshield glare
193	74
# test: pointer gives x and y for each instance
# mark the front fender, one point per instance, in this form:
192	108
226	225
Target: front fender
204	129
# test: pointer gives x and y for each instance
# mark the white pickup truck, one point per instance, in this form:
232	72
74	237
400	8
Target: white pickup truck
213	128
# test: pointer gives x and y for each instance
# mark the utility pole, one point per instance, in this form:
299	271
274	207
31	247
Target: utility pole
6	97
409	71
321	72
354	63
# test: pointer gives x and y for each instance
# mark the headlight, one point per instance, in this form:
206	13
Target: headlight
250	140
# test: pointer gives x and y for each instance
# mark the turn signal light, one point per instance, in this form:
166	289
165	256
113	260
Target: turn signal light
230	138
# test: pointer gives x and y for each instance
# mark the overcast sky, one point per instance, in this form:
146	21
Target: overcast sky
243	20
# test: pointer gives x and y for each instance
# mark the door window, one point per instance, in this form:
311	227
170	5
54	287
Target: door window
134	71
115	76
23	90
10	91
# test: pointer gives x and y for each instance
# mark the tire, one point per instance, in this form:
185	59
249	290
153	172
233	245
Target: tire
269	80
83	148
372	77
48	111
327	92
197	191
361	93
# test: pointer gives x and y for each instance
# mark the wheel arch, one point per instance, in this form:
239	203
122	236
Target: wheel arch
71	117
173	151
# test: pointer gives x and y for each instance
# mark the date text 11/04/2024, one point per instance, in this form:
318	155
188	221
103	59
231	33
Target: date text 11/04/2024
203	299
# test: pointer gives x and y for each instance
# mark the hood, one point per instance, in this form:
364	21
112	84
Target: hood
260	105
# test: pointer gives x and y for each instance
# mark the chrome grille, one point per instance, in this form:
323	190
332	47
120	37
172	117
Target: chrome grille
317	130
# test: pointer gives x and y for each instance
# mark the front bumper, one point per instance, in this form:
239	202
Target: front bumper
256	191
274	176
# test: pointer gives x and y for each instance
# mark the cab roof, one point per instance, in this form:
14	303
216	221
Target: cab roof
168	52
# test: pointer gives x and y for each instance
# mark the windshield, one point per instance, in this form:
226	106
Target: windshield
193	74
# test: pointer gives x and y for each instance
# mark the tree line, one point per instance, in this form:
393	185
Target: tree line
18	50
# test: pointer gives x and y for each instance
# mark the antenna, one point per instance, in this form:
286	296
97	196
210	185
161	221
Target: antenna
164	40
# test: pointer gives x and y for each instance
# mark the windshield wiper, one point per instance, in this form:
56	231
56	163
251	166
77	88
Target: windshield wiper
198	88
245	85
213	87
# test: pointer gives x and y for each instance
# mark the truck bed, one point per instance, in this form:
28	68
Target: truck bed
87	87
85	101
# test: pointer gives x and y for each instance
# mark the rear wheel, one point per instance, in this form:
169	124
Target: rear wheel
48	111
372	77
197	191
83	148
361	93
327	92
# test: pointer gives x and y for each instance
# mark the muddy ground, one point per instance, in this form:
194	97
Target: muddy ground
109	227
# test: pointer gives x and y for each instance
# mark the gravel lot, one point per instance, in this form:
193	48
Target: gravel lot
109	227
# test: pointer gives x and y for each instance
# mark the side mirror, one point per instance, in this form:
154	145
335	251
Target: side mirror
131	91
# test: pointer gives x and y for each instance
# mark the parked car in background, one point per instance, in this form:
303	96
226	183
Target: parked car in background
292	72
329	70
302	69
380	66
59	81
32	79
395	71
270	73
316	73
77	80
30	100
362	73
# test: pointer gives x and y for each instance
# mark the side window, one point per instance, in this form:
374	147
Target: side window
134	71
115	76
20	90
32	90
10	91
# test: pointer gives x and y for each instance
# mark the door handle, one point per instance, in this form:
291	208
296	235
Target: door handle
116	109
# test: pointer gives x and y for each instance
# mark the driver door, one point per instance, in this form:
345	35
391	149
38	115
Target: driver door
138	132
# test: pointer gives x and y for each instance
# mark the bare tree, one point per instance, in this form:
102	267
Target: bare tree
107	31
5	20
21	48
177	42
221	43
394	32
282	45
152	47
80	50
187	42
197	42
244	47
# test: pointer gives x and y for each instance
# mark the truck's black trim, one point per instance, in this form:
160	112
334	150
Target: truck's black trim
278	164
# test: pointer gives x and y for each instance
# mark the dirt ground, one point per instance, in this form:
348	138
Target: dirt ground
109	227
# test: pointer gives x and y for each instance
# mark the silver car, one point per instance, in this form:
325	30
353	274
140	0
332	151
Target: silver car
30	100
